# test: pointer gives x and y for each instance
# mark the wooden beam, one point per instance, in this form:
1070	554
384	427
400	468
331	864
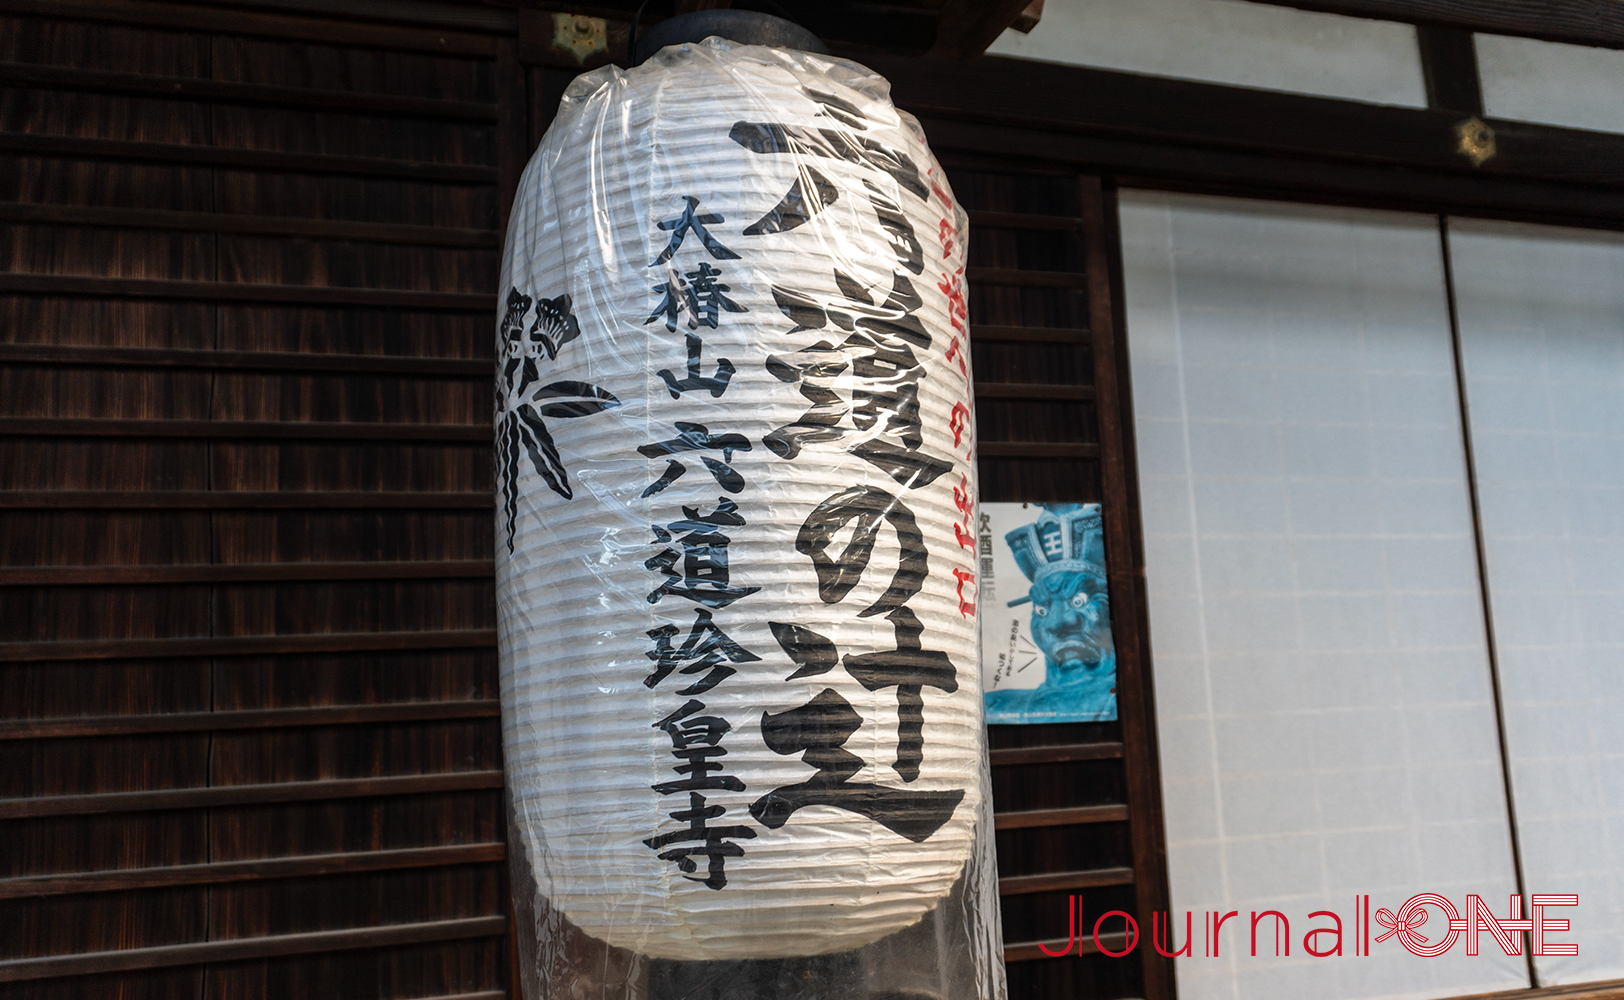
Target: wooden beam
1092	102
1028	19
967	27
1449	66
1579	22
1183	135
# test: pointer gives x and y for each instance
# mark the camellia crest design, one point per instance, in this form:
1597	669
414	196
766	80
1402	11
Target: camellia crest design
518	415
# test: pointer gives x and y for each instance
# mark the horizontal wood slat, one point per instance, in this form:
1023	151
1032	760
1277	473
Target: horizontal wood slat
1023	220
40	576
242	500
1027	951
395	936
74	147
1030	279
1029	334
247	645
231	291
1023	449
1059	817
474	17
184	88
233	430
253	361
260	869
261	718
247	225
186	17
1055	754
1057	881
241	795
1032	390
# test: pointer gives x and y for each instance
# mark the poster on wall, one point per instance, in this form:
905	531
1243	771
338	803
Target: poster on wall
1046	649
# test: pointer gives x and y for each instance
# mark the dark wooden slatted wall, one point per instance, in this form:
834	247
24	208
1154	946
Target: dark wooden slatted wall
1077	805
248	677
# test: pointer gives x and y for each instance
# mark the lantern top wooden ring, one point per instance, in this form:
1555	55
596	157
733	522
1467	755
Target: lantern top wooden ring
743	26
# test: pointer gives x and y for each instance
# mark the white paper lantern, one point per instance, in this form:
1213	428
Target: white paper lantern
735	560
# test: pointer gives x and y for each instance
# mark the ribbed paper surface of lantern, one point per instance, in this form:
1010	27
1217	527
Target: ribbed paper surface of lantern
736	580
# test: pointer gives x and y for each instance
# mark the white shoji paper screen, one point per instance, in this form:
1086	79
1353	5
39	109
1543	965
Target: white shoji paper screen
1542	337
1323	694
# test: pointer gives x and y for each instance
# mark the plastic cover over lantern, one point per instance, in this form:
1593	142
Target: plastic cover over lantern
736	572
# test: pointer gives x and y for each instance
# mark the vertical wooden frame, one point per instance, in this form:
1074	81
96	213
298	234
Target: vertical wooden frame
1125	570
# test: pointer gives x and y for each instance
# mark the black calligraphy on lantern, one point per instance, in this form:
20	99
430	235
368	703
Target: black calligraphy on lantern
692	221
819	729
882	411
694	560
862	382
703	556
697	437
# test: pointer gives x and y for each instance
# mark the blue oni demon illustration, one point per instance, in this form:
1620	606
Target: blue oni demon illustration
1063	554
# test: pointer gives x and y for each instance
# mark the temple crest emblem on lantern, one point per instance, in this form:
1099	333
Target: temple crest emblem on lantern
520	429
